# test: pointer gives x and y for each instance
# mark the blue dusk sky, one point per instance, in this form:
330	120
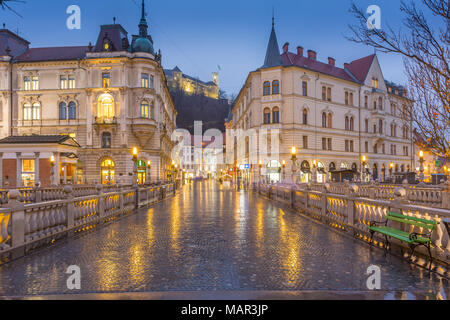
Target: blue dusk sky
200	35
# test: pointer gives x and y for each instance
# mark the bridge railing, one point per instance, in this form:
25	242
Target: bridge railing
352	213
26	226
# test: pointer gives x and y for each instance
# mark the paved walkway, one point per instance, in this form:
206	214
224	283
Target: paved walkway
215	240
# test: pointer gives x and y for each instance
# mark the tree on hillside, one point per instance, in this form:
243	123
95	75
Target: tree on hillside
425	51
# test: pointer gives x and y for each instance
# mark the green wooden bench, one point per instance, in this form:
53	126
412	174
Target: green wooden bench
414	239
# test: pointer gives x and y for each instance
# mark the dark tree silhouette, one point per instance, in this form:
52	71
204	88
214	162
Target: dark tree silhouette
425	51
4	4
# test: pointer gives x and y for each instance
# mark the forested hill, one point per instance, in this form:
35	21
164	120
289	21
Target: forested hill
198	107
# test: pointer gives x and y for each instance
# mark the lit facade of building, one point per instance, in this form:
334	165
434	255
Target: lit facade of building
109	97
177	80
333	116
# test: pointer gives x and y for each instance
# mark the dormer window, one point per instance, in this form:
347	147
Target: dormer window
106	80
375	83
106	46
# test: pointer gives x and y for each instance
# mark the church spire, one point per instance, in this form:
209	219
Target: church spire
273	57
143	26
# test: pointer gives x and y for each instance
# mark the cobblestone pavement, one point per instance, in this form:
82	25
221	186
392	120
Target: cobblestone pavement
211	239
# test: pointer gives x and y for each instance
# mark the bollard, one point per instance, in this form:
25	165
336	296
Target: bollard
70	207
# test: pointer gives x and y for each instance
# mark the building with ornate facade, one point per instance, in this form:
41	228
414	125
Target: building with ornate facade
338	119
109	97
177	80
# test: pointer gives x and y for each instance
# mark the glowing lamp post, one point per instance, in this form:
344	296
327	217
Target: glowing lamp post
260	167
149	170
283	165
314	173
294	159
363	169
421	168
391	167
135	152
52	170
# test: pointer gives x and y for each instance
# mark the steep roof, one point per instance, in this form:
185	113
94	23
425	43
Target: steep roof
359	68
273	50
53	54
292	59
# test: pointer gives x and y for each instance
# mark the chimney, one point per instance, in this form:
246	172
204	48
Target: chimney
286	47
300	51
331	61
312	54
346	65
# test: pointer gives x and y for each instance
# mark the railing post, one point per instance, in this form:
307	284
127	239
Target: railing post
101	201
372	190
307	189
325	190
17	223
446	196
37	193
121	205
70	207
352	194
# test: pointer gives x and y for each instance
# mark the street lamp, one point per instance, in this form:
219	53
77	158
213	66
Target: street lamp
294	159
135	152
283	164
149	170
391	167
363	169
421	168
52	170
260	167
314	173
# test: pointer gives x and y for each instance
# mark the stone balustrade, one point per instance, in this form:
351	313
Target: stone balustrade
25	226
349	210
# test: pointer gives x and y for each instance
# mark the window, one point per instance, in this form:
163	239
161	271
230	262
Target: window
63	82
351	146
152	110
375	83
324	143
266	88
329	144
305	88
275	87
144	80
380	103
324	120
351	98
26	83
72	110
366	101
346	98
305	116
106	140
352	123
34	83
383	148
346	146
380	126
266	116
366	125
405	112
71	82
62	111
330	120
375	105
324	93
276	115
28	172
106	80
393	109
329	94
36	111
144	109
106	107
347	123
375	148
152	82
27	111
366	146
305	142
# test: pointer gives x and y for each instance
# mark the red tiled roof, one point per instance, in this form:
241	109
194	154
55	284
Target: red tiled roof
53	53
359	68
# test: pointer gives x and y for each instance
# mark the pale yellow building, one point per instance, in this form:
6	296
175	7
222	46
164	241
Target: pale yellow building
333	116
109	97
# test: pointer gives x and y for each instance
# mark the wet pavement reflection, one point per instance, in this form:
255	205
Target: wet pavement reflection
209	238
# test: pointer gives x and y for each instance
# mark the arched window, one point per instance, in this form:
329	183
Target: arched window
324	120
144	109
72	110
330	120
305	116
347	124
276	115
352	123
106	107
266	88
62	111
36	111
27	113
275	87
106	140
107	170
266	116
